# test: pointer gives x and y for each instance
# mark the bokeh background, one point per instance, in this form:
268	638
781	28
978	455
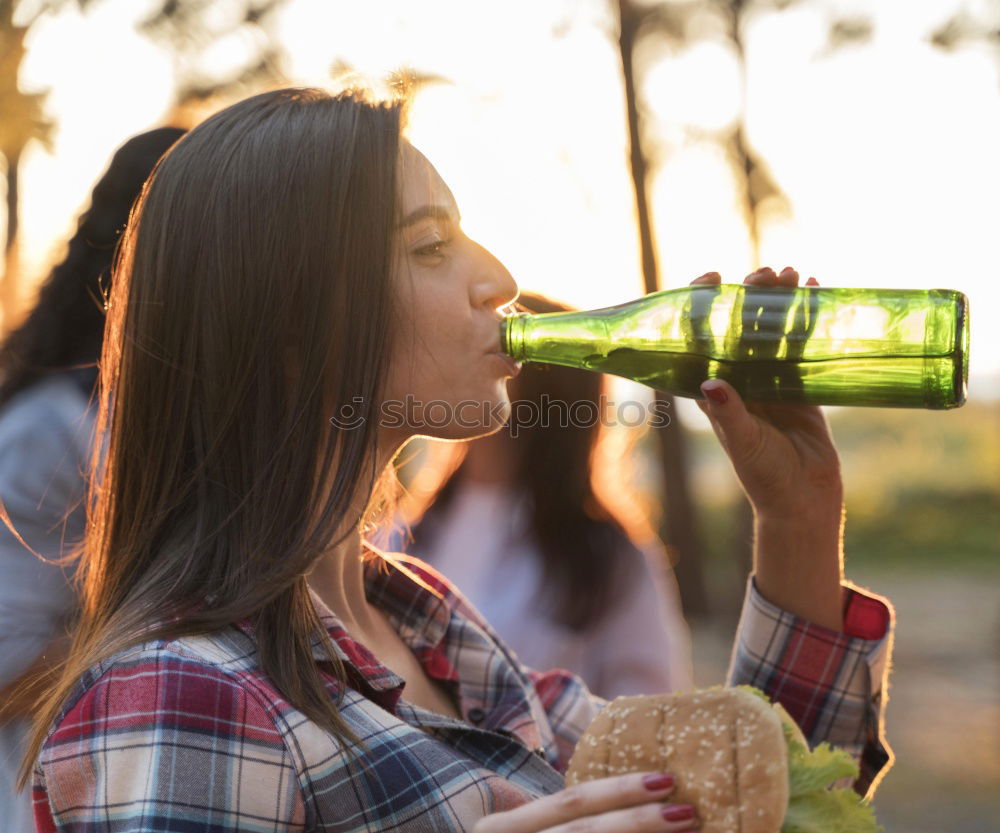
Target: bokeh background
857	141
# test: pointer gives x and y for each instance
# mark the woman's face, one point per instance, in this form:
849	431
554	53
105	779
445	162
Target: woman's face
447	377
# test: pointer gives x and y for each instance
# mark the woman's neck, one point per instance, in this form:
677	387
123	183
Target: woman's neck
338	578
490	460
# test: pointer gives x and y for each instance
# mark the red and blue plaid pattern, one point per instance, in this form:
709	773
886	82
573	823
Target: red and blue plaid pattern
189	735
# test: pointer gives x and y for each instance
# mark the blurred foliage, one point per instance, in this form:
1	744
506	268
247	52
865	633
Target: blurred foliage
964	29
194	30
24	116
24	120
922	488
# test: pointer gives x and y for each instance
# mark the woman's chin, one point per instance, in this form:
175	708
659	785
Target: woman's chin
469	422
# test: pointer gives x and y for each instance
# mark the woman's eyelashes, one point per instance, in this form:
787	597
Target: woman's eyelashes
433	245
431	249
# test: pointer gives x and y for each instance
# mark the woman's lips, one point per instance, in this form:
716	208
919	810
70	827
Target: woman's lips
511	367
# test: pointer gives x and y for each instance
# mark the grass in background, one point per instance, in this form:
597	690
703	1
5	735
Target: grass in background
922	488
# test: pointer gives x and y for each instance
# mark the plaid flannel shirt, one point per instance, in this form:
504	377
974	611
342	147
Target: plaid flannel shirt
190	735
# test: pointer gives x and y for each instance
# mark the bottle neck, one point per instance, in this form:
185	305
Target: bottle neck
566	338
512	335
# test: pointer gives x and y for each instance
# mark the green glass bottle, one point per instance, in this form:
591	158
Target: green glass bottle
905	348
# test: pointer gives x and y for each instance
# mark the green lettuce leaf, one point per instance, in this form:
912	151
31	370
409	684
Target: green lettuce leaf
829	811
816	769
812	806
756	692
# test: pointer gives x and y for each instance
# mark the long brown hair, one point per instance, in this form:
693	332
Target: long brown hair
251	300
587	555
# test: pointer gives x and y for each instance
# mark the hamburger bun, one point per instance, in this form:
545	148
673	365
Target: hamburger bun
724	746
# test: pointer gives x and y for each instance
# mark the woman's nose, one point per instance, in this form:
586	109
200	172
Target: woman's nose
492	285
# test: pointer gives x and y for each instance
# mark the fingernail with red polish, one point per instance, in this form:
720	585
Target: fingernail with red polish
716	395
677	812
658	781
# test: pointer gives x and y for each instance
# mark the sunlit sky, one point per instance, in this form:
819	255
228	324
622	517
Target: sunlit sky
887	150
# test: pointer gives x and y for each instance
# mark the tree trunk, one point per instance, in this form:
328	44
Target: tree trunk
742	548
742	541
9	284
679	529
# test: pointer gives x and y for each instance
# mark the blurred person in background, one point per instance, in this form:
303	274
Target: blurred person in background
523	529
48	374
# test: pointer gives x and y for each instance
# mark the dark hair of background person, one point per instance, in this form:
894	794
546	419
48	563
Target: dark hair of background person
252	299
586	554
65	328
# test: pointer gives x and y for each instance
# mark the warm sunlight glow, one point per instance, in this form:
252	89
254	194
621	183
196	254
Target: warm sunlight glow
885	151
870	130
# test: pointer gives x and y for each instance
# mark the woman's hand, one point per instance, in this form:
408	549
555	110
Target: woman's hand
623	804
783	454
785	459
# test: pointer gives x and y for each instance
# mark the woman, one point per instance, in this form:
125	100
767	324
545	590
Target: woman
48	367
525	529
241	657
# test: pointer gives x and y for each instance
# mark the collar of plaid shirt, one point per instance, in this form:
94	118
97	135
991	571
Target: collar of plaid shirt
415	598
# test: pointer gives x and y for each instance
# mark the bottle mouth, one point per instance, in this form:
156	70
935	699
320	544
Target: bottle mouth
512	335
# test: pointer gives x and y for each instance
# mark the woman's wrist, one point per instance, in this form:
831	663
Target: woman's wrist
798	563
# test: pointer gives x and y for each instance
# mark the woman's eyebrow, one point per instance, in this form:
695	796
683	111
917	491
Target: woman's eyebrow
436	212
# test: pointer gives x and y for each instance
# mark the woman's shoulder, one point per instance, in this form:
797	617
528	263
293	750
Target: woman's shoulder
184	684
149	732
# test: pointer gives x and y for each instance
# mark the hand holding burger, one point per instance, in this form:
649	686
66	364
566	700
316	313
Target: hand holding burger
741	762
632	803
